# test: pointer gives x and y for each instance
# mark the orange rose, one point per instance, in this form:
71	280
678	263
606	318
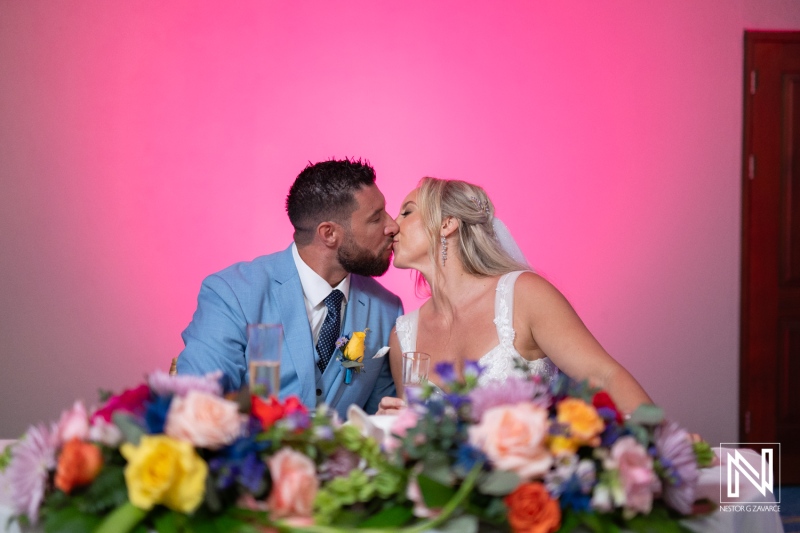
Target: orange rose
582	419
78	464
532	510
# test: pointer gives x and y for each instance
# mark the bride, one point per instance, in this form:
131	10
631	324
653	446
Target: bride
486	304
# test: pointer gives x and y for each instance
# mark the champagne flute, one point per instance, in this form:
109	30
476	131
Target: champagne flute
264	358
416	366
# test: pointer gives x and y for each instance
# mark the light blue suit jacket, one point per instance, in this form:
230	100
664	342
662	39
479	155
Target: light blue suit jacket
268	290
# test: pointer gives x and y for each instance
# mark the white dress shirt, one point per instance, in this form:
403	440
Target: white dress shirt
315	290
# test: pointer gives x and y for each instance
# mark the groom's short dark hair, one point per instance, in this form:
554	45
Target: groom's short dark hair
324	191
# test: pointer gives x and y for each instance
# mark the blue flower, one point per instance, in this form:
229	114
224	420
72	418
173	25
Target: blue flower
155	415
467	456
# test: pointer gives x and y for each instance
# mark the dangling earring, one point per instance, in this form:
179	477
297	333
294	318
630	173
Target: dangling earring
444	249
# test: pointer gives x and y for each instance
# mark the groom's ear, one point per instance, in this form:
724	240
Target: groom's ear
330	233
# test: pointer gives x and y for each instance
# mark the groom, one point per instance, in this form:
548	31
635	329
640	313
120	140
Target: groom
318	288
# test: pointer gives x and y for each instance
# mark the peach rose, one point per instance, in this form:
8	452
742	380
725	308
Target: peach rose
582	419
513	438
78	465
203	419
532	510
294	484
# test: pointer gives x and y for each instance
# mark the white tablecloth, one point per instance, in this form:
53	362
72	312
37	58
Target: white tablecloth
709	487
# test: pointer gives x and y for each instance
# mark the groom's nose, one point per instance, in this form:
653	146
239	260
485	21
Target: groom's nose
391	227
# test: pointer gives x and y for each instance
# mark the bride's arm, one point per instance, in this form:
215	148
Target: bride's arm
389	404
555	327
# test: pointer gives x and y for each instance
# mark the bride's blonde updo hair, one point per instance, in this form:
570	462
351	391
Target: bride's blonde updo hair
477	247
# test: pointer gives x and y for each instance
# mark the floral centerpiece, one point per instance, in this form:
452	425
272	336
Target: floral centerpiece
175	455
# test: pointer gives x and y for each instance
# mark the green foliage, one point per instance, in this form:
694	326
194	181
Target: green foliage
5	457
704	454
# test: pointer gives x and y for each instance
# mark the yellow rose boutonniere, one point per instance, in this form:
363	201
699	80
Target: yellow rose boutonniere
351	353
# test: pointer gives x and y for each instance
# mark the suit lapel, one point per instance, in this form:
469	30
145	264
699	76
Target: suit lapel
355	319
297	333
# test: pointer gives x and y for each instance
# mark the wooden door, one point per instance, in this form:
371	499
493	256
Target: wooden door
770	343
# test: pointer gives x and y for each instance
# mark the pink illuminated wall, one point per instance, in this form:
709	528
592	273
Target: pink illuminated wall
144	145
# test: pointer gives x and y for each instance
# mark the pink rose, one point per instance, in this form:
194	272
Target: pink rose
74	424
636	475
203	419
406	419
513	437
294	484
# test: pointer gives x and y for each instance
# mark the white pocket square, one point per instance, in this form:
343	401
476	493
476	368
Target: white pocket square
380	353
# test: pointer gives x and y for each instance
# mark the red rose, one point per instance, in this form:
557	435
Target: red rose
130	401
267	412
603	400
294	405
532	510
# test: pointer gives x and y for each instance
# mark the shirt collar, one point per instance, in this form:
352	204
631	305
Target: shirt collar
315	288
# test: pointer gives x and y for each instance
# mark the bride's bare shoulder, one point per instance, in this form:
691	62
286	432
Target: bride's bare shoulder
535	290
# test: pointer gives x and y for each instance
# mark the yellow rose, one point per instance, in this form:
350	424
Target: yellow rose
163	470
354	351
582	419
560	444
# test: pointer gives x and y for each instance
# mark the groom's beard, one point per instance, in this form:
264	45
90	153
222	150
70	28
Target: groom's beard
358	260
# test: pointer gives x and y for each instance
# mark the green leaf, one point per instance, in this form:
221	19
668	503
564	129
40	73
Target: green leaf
437	467
123	519
569	521
392	516
166	523
108	491
435	494
70	520
460	524
131	431
647	415
498	483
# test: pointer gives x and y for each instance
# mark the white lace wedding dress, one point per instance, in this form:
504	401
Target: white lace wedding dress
499	363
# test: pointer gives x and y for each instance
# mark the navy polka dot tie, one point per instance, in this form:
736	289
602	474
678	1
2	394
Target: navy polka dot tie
330	328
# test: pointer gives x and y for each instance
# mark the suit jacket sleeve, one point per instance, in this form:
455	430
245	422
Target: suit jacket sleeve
216	338
384	385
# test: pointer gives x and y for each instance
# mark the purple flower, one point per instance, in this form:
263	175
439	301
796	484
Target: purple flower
676	456
472	369
165	385
446	372
514	390
339	464
31	460
341	342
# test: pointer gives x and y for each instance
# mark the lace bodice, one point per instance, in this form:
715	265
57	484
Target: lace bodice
499	363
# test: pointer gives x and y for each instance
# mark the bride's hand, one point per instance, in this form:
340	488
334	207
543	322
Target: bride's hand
390	405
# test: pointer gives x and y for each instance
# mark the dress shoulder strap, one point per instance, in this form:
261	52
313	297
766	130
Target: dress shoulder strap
406	327
504	307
